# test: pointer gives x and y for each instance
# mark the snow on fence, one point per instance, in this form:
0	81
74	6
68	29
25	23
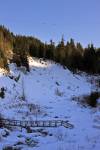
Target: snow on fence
40	123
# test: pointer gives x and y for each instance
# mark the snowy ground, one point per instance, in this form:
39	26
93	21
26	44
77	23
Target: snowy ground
49	88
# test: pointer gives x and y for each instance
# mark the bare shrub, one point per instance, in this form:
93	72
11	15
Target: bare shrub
92	99
30	142
58	92
1	121
2	92
23	92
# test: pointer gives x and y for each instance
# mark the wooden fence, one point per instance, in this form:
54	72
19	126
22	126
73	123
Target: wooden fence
39	123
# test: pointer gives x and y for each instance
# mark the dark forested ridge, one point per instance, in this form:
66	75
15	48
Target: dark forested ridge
17	48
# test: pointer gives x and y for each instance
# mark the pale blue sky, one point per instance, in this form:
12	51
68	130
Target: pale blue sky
49	19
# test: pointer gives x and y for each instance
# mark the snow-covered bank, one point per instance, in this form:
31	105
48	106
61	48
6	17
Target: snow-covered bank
49	88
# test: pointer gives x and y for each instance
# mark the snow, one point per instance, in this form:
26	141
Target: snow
50	88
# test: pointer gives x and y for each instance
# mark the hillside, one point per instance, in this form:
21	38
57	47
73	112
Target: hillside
17	48
49	88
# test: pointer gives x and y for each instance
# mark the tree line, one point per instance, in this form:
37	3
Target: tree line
17	48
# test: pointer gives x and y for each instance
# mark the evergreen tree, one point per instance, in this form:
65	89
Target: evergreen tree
60	51
89	59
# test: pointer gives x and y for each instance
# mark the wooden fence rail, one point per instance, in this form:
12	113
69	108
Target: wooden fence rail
39	123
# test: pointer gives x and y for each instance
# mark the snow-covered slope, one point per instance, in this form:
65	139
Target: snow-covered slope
49	88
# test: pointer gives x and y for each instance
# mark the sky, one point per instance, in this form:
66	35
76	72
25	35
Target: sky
50	19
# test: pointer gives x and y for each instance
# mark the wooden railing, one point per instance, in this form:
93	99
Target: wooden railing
39	123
